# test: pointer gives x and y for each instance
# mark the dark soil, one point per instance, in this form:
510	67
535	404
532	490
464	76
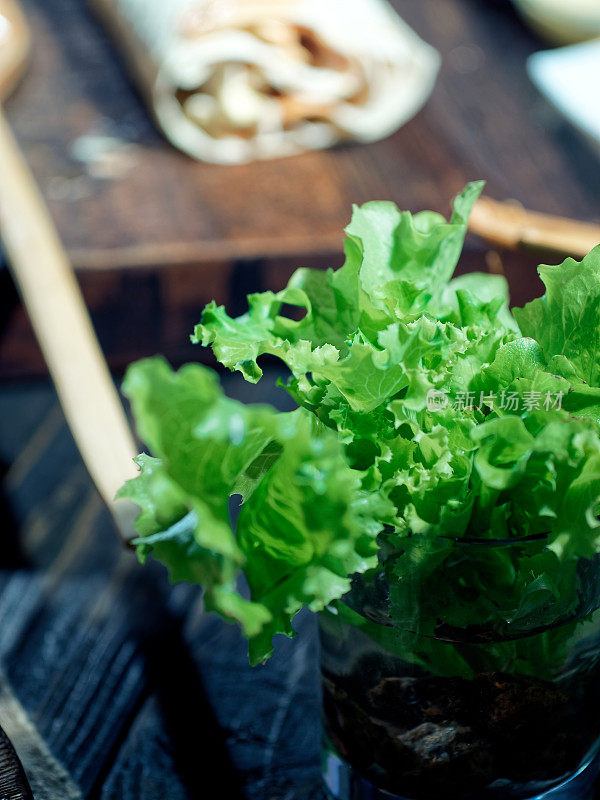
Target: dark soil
428	737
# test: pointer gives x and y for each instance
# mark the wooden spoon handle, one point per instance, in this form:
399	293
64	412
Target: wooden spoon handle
509	225
64	331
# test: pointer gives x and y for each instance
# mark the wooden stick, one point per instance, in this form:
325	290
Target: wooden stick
64	330
511	226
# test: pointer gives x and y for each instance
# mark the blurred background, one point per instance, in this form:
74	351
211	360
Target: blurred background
127	683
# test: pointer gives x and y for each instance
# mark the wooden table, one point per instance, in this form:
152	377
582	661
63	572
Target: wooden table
223	231
139	693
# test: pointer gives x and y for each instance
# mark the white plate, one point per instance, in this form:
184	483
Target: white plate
570	79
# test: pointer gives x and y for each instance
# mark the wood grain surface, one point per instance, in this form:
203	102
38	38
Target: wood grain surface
13	782
484	120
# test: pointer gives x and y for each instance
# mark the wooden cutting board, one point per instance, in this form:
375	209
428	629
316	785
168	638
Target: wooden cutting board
160	208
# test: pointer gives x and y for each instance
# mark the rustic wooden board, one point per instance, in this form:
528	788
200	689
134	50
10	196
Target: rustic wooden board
485	120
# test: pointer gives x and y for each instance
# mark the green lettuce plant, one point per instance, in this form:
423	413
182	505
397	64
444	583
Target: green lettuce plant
432	424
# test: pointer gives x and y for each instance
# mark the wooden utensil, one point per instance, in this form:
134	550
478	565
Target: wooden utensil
54	302
512	226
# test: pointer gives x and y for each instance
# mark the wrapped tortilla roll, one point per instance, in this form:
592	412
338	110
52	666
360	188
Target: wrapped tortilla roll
230	81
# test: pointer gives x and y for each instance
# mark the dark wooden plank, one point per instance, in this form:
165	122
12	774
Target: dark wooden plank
140	313
145	766
135	314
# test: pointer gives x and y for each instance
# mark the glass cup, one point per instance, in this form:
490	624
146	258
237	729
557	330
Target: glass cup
474	675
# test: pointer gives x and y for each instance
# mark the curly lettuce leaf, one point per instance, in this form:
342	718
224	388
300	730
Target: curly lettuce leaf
305	524
520	368
396	263
306	529
546	466
565	321
478	299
